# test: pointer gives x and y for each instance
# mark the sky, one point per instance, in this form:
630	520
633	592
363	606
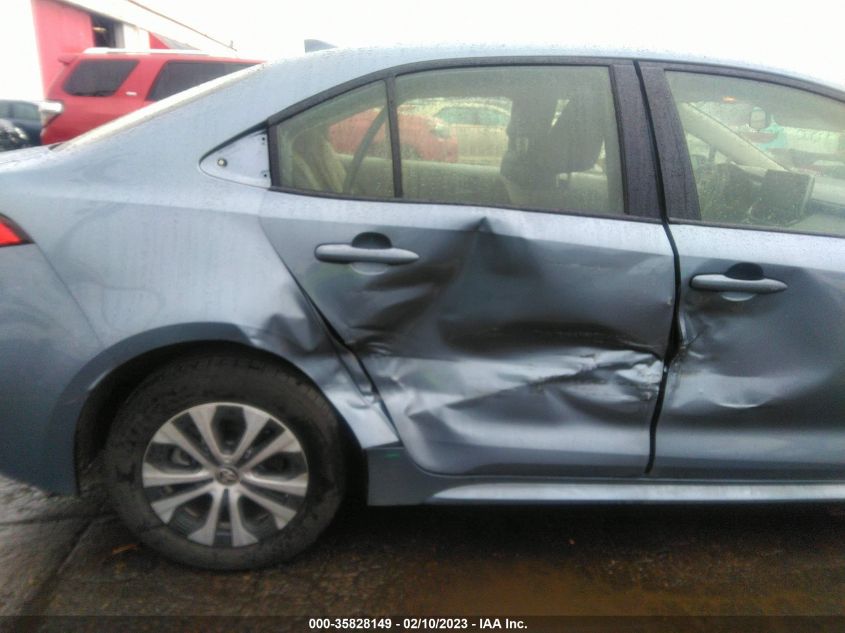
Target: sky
808	36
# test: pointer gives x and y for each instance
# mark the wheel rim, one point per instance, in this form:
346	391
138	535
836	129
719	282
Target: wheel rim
225	474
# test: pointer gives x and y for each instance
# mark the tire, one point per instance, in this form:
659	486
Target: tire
234	524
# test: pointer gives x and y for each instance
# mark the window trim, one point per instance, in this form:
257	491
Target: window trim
637	167
680	191
393	129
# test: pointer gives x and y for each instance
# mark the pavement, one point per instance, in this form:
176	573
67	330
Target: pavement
72	557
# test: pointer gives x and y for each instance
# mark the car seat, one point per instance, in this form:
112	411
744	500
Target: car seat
541	157
316	166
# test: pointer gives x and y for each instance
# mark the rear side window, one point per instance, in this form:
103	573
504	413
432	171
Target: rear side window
178	76
529	137
98	77
532	137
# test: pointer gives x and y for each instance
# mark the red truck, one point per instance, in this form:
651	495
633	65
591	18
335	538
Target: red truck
99	85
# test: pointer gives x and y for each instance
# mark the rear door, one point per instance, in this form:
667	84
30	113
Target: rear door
754	169
512	309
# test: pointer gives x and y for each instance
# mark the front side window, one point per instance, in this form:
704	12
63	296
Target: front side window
98	77
536	137
762	154
341	146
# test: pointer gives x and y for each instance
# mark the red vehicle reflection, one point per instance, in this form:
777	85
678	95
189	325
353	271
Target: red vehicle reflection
421	137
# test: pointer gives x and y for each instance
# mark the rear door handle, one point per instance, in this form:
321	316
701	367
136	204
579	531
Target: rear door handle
348	254
723	283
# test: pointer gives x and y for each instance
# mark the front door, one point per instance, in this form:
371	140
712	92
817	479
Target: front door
757	388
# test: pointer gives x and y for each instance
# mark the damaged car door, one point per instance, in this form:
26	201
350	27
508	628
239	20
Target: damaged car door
512	310
755	390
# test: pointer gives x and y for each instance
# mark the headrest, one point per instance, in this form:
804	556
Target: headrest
539	151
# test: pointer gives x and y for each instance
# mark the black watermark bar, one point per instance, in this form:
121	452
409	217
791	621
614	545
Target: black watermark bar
420	623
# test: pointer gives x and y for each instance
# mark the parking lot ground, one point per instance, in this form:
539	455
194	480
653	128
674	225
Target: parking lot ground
72	557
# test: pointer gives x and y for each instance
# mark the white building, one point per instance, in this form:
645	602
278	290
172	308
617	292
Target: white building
35	34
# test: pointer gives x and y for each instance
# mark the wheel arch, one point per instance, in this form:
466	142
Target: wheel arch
107	381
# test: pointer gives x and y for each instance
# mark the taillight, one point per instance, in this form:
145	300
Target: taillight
49	110
11	234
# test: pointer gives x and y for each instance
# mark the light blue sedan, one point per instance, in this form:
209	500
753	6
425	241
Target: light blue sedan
251	297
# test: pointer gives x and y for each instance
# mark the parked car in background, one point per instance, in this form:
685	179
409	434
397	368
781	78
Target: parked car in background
631	302
12	137
102	84
480	128
24	115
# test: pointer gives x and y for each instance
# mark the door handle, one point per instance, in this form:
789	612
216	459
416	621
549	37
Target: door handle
723	283
349	254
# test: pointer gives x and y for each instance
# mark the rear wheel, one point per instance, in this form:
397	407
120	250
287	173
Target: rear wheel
226	463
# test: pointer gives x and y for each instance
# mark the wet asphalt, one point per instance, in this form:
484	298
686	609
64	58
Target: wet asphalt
71	556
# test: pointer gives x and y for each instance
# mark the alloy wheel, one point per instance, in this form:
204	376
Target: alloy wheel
225	474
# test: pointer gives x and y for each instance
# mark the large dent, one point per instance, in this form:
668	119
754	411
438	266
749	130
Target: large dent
574	409
755	389
519	343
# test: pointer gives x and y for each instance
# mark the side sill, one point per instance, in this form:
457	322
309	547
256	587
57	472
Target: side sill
394	479
640	492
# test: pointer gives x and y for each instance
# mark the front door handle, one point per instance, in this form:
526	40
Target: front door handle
723	283
349	254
